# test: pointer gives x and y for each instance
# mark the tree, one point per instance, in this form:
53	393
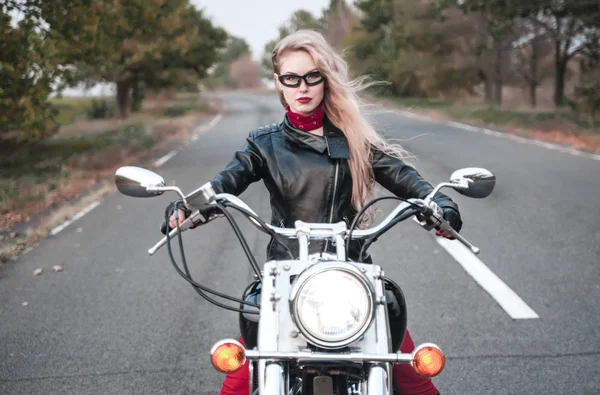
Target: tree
531	56
587	91
413	46
245	73
40	39
337	22
300	19
236	48
566	22
498	41
373	49
157	43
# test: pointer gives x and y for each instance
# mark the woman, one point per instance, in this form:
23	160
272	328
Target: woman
321	164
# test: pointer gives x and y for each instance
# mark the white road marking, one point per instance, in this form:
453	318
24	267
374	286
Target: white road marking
77	216
165	158
502	293
197	132
208	126
508	136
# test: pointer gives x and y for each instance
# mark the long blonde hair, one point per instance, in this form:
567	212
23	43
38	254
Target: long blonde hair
343	108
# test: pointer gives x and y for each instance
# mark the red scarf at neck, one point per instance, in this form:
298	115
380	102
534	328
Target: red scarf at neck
306	122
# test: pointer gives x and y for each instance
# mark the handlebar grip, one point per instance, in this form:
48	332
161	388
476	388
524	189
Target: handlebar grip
185	225
163	241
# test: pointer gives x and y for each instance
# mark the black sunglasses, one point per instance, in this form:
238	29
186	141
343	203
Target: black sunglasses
293	80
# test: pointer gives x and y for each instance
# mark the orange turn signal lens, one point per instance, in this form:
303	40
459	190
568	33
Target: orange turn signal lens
428	360
228	356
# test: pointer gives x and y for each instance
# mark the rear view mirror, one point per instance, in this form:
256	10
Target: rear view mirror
134	181
473	182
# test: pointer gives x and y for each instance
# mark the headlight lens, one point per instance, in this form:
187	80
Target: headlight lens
333	307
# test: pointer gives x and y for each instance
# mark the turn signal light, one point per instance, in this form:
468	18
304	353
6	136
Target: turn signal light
228	356
428	360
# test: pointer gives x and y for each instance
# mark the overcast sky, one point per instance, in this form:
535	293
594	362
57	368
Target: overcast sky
256	21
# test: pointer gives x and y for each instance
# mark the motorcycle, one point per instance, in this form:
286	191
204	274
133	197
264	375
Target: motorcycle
300	336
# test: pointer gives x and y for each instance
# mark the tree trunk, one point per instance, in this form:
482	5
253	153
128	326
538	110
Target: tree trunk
498	77
123	88
488	87
533	82
560	66
137	95
559	86
533	93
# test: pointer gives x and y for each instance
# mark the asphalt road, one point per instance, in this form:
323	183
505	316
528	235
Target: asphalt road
117	321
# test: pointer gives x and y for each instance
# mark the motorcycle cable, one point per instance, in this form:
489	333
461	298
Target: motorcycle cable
403	215
199	288
361	213
278	238
242	239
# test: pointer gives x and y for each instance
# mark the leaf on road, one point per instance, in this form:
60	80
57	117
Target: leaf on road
57	268
38	271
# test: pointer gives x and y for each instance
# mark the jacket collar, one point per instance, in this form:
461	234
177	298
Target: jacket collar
334	141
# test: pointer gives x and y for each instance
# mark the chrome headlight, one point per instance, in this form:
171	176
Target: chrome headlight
332	304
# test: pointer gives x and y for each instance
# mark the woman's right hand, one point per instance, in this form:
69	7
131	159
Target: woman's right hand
173	221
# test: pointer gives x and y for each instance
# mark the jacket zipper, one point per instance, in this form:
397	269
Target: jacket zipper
335	181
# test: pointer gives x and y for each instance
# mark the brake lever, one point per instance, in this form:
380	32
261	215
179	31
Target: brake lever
446	226
189	222
436	219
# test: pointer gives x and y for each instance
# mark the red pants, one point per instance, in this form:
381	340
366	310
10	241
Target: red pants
406	381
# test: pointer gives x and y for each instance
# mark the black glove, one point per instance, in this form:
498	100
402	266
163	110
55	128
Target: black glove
453	217
170	209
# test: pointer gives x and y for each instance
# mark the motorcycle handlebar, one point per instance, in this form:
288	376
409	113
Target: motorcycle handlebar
424	207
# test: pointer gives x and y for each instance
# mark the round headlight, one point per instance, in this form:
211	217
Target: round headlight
333	306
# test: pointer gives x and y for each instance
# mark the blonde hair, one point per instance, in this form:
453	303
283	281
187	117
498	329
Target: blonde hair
343	108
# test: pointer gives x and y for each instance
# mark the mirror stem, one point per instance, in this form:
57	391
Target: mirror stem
165	189
435	191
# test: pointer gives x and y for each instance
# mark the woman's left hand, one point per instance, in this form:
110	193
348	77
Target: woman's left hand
444	233
453	217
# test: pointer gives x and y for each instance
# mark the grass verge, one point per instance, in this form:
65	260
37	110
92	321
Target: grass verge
69	109
186	105
40	177
37	174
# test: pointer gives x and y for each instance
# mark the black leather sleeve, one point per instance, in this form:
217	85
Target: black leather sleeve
244	169
404	181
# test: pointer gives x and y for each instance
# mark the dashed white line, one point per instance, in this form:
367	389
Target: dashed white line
164	159
80	214
508	136
203	128
197	131
492	284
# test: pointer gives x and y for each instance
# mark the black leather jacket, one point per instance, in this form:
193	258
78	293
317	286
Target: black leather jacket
308	179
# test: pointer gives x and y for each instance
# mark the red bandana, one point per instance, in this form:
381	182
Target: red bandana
306	122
